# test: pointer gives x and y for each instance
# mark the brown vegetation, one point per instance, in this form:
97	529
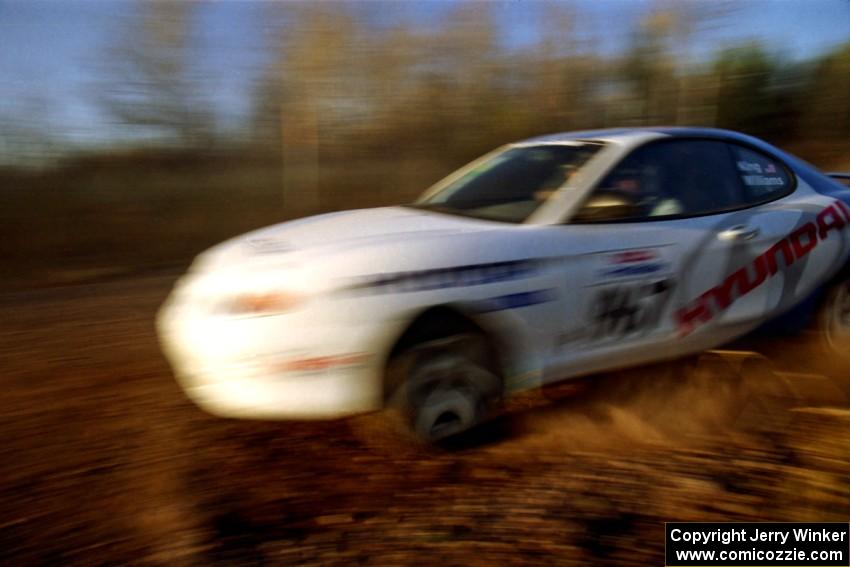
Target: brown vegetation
105	461
353	114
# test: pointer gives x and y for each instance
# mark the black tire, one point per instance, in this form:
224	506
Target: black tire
447	387
447	393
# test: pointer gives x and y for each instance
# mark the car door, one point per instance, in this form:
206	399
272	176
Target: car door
784	244
668	222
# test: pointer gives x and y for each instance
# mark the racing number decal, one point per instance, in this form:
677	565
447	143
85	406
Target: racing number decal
626	309
626	297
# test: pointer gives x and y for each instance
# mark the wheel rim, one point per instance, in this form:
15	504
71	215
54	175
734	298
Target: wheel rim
445	413
448	395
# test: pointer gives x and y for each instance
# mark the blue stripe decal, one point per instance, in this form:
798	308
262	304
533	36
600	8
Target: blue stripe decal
636	270
442	278
515	300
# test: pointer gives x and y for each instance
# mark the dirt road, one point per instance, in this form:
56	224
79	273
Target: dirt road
103	460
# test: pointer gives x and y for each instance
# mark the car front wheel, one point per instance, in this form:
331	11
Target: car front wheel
442	388
447	392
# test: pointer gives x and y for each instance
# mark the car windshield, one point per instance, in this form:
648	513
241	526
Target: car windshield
510	185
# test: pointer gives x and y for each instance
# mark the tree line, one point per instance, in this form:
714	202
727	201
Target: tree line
340	89
353	109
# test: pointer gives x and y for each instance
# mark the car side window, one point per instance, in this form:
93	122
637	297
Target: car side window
763	177
668	179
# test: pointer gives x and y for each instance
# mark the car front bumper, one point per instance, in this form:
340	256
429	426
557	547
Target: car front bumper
287	366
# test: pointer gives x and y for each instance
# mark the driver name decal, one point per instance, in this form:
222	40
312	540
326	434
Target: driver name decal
793	247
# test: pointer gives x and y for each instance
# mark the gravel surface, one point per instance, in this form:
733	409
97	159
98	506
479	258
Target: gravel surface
104	460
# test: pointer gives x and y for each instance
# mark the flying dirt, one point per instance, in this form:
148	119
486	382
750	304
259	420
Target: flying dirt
104	460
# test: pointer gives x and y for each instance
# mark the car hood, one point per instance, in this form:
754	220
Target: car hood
338	232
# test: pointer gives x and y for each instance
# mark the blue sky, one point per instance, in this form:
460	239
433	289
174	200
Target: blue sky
52	60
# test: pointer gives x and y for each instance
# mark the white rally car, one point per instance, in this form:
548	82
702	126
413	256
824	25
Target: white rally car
546	259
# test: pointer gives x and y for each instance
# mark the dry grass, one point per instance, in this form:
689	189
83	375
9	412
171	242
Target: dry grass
104	461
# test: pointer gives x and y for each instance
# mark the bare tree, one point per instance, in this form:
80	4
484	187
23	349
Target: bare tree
151	89
827	114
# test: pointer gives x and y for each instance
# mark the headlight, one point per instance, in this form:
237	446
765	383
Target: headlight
265	303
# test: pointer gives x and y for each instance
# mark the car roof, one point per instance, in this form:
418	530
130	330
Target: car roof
615	134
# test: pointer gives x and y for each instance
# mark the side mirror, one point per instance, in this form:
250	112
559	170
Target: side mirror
605	206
